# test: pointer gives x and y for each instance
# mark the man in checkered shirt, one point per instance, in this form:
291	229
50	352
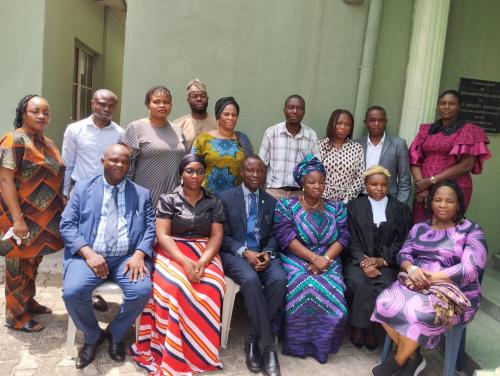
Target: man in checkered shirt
286	144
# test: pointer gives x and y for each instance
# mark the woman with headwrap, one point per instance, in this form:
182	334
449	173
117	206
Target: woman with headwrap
378	224
312	232
180	326
223	149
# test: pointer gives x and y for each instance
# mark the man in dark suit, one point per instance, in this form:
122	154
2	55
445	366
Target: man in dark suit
249	258
108	228
387	151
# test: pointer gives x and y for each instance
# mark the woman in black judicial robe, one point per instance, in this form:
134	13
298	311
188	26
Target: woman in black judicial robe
378	225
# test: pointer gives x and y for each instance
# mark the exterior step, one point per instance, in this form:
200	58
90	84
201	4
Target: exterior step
490	302
482	343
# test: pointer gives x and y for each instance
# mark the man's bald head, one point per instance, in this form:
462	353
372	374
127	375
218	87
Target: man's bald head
103	107
116	162
105	93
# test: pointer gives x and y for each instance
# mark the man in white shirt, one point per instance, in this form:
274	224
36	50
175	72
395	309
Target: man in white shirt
85	141
84	144
285	145
198	120
387	151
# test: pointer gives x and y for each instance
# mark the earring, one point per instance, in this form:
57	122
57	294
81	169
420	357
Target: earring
182	181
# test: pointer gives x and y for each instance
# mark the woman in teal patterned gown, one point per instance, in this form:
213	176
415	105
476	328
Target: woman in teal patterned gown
312	232
223	149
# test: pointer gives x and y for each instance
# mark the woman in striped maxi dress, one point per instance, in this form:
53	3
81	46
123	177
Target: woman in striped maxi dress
180	325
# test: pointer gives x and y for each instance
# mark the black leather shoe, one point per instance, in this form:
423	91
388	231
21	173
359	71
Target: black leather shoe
271	366
116	349
86	355
253	359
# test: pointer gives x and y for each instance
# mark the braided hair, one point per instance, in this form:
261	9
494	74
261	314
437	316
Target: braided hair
21	109
156	90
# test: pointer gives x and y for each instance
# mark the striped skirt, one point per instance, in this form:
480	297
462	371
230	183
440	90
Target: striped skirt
180	325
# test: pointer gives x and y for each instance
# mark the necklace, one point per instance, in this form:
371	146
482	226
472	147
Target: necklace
309	205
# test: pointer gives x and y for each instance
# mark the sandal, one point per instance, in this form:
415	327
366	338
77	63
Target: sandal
38	309
29	327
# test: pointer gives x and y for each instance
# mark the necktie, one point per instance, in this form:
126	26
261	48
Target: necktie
252	242
111	234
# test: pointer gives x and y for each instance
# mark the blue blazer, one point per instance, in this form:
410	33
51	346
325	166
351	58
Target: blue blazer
81	217
235	225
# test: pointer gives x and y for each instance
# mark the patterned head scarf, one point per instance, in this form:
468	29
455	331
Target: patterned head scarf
309	164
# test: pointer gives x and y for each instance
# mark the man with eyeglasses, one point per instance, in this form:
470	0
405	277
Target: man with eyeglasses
198	121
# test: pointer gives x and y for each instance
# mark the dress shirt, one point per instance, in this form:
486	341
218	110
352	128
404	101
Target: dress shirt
281	152
122	245
378	210
83	146
248	199
189	221
373	151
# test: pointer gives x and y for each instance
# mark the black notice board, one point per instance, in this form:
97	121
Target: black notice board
480	103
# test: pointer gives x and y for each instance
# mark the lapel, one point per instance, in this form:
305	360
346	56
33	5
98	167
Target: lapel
97	190
366	224
261	206
129	204
362	140
385	147
240	202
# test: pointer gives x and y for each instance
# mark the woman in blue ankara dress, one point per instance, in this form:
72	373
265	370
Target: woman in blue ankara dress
312	232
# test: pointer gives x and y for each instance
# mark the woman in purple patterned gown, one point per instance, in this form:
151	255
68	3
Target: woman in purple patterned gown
312	232
442	261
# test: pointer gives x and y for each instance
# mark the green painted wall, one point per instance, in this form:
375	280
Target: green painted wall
85	21
258	51
113	59
391	59
66	20
21	38
472	50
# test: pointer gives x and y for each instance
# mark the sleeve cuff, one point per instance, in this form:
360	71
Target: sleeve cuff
241	250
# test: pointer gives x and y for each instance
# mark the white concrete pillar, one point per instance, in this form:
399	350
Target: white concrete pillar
423	74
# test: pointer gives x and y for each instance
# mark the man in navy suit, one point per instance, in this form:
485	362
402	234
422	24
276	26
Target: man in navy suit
249	258
108	228
387	151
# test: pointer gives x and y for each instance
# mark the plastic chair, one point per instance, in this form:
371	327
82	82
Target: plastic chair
227	309
107	287
453	346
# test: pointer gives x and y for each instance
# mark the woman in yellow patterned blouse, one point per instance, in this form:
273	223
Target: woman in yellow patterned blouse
223	149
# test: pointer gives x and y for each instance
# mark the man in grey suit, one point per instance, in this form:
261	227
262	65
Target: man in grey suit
387	151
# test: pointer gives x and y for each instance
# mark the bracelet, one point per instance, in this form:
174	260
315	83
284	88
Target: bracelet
328	258
412	269
312	258
433	180
385	263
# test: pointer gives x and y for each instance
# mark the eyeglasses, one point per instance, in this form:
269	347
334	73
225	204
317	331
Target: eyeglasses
192	171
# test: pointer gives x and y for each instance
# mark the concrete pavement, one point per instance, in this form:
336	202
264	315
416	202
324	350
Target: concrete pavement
23	354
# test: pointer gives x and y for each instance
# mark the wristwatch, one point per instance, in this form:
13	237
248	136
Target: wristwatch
433	180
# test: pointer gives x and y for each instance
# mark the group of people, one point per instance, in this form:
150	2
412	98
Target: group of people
318	234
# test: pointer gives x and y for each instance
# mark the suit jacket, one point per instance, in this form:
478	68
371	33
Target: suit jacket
235	226
361	228
395	158
81	217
